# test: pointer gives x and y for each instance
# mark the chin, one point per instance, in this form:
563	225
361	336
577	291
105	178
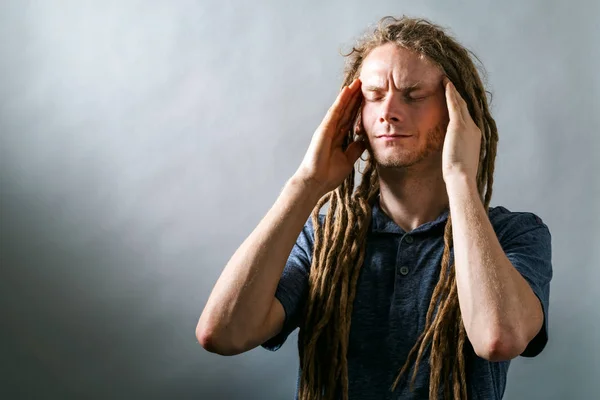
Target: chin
400	159
397	162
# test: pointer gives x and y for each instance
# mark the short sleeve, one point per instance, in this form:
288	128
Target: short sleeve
527	245
292	289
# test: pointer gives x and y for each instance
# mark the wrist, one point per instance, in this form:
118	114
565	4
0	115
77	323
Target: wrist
308	187
459	183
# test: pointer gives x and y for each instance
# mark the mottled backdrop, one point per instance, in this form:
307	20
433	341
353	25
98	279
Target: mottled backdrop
141	141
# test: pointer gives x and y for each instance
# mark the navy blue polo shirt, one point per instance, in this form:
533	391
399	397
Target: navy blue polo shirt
395	285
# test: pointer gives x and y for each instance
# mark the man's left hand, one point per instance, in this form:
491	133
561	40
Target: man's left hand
460	156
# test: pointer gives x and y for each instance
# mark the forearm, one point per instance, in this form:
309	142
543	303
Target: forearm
244	293
500	312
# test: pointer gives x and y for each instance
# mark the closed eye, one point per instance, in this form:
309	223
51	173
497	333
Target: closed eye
407	98
410	99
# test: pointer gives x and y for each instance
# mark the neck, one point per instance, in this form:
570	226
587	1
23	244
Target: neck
412	196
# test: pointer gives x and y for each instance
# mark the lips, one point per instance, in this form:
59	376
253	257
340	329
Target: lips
392	136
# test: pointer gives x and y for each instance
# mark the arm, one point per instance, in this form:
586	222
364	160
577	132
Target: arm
500	311
242	311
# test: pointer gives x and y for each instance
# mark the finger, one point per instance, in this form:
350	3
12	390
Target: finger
454	106
355	150
358	129
348	125
352	107
464	108
350	113
335	112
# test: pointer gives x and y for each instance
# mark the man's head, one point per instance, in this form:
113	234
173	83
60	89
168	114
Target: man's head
393	59
404	112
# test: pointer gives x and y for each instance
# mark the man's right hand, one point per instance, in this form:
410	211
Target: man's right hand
326	164
242	311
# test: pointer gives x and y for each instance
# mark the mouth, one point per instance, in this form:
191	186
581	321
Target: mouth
393	137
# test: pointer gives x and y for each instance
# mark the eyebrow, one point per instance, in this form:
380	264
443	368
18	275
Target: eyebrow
406	89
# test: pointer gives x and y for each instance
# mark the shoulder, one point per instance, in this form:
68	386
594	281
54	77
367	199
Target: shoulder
306	238
309	228
511	224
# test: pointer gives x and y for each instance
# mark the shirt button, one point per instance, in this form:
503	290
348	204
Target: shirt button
404	270
409	239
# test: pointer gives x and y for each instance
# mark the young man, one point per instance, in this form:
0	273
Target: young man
411	286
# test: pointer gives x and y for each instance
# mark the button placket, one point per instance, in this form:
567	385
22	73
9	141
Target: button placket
404	269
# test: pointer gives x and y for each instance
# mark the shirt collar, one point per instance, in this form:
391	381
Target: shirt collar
382	223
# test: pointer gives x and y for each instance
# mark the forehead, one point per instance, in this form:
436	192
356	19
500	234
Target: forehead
403	67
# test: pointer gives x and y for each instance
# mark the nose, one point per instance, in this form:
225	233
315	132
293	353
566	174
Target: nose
391	110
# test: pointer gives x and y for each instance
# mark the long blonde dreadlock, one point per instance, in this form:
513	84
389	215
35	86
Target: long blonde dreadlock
339	247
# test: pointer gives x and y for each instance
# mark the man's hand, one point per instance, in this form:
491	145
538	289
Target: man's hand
460	156
326	165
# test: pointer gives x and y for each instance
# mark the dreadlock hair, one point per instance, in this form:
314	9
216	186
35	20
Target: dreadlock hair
339	245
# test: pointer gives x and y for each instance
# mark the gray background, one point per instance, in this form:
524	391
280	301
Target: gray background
141	142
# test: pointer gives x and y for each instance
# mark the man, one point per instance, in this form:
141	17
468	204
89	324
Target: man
411	286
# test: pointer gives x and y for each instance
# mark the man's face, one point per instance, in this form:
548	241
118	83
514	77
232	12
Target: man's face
404	112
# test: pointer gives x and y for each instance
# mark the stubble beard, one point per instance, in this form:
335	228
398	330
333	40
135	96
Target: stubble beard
403	158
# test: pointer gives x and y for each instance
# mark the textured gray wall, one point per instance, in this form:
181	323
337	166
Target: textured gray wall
141	141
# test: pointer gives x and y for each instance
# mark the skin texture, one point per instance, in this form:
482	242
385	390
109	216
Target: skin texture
403	95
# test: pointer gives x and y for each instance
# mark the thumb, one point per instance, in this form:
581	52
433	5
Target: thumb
354	150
